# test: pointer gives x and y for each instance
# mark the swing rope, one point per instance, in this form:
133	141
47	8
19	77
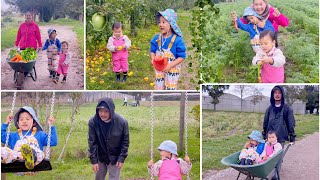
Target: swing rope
11	112
186	116
151	132
49	131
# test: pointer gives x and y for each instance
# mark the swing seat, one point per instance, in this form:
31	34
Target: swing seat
19	166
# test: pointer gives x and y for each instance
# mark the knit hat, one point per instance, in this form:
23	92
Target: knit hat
31	112
172	18
257	136
249	11
50	31
169	146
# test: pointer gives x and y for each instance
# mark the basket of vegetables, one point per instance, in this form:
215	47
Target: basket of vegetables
22	61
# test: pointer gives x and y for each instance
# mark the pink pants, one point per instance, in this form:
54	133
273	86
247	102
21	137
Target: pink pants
63	69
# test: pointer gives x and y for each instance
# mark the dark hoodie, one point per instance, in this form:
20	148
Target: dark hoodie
112	146
279	119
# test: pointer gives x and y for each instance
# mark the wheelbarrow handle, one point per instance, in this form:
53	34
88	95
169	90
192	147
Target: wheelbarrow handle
285	151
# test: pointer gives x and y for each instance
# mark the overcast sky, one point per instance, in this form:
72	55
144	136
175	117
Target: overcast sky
264	89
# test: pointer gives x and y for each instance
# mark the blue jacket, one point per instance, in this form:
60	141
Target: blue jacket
250	27
260	148
46	45
178	48
41	136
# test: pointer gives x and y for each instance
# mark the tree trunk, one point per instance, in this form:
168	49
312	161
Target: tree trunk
214	107
38	104
181	131
74	110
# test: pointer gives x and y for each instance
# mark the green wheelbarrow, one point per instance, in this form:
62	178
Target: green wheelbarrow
257	170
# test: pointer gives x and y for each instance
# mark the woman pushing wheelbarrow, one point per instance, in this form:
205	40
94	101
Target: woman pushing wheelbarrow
22	59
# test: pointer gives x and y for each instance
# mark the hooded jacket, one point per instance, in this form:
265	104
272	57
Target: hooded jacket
111	147
273	116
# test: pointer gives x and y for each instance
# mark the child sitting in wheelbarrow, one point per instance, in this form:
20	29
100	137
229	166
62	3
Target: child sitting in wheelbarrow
250	154
26	144
271	147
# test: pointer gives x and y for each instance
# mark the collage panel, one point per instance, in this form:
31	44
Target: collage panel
99	135
268	41
256	131
144	47
42	45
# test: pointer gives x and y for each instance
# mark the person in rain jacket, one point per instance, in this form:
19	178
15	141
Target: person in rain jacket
28	35
108	140
279	118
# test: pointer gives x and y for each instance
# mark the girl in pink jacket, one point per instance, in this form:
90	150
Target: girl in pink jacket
266	11
119	44
170	167
28	35
271	58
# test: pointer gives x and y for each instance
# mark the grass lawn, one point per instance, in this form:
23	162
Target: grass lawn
75	163
224	133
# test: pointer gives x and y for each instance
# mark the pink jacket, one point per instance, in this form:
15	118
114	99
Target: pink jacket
271	73
28	36
281	20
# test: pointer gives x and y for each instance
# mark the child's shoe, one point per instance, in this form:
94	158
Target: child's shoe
124	78
27	154
55	80
242	161
64	79
249	162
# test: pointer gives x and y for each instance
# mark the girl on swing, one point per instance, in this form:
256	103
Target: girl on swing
26	144
170	166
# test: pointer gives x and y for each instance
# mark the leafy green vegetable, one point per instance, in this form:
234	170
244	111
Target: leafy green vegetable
12	53
29	54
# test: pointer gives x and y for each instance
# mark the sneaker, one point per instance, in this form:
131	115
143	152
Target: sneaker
27	154
55	80
63	80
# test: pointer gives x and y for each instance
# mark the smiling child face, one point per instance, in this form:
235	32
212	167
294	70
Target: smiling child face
25	121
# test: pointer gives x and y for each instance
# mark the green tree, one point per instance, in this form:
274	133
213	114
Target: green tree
215	92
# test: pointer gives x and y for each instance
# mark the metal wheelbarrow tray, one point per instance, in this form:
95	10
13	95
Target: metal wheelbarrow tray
261	170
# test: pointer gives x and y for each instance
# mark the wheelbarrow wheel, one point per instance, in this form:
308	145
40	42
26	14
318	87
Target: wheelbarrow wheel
20	79
33	74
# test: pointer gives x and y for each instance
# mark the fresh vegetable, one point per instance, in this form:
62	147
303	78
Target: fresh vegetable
12	53
29	54
16	58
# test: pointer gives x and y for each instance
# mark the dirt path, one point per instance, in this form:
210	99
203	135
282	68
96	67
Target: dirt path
75	76
300	162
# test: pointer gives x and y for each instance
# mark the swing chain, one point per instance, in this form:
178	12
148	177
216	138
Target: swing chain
11	112
151	132
49	130
186	113
186	116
